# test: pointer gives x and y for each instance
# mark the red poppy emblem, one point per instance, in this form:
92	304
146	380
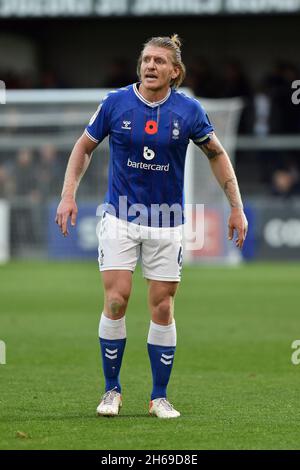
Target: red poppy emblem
151	127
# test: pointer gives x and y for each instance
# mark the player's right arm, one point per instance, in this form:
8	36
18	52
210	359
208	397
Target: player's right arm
77	165
97	129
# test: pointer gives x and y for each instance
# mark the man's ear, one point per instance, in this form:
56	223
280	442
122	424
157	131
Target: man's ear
175	72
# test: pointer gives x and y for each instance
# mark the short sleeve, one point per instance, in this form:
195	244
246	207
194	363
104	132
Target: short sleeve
99	125
202	128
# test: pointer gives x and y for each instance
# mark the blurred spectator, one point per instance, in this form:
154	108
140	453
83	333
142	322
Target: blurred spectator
25	176
235	84
234	81
274	113
201	79
261	111
49	79
26	216
119	74
47	170
14	80
285	183
285	116
6	183
261	115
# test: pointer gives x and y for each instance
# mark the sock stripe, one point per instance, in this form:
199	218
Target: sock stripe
167	363
167	357
111	357
111	351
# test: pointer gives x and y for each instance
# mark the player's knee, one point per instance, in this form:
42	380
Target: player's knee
117	304
163	310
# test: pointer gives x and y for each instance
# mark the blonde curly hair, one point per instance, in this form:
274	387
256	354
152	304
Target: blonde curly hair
172	43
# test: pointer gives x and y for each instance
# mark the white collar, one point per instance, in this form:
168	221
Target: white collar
149	103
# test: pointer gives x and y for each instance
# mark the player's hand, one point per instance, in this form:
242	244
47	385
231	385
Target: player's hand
66	208
237	222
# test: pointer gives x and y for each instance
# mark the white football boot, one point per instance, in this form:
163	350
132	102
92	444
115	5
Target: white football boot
110	404
161	408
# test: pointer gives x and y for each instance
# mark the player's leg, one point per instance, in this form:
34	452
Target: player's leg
161	345
112	328
117	259
112	337
162	260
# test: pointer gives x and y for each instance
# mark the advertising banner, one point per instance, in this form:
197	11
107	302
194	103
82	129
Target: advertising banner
278	231
107	8
82	242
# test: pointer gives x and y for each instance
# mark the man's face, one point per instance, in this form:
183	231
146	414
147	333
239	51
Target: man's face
157	69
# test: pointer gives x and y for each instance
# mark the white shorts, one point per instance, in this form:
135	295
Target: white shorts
122	243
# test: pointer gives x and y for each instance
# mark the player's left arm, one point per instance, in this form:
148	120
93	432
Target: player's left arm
223	170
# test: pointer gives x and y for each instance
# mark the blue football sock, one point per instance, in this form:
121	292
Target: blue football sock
112	337
112	353
161	349
161	359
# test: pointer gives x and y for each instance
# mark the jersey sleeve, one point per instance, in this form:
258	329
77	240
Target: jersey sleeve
202	128
99	125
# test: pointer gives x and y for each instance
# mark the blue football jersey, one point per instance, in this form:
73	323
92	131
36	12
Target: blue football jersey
148	144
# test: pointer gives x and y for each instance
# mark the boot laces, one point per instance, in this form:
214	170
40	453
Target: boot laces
166	404
109	396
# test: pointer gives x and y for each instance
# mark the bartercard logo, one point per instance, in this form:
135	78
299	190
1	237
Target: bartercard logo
147	166
148	153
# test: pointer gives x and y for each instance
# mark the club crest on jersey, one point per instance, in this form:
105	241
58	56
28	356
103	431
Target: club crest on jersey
126	125
151	127
176	129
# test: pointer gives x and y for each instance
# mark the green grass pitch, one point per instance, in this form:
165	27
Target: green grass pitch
233	379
